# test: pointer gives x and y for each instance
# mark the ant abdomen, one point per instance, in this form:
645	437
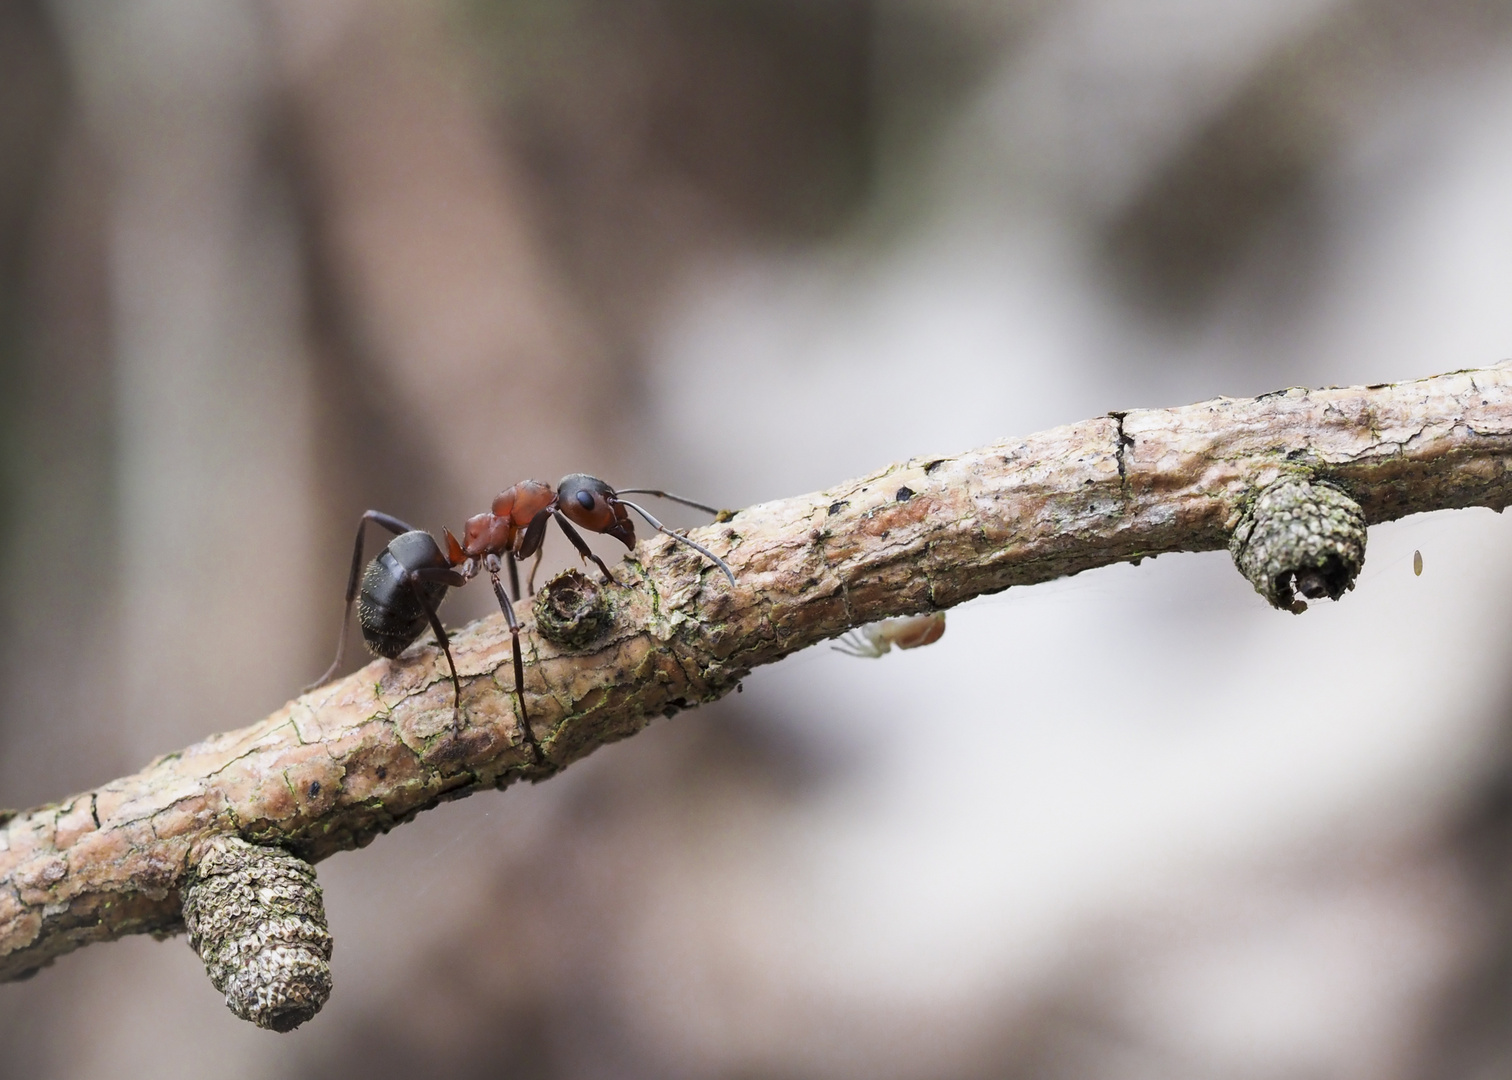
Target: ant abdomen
390	613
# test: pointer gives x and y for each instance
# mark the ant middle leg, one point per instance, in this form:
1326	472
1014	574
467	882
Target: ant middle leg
519	662
514	575
393	525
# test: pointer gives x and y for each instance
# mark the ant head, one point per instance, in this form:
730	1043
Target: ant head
591	503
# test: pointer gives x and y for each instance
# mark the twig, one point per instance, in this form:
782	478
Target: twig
339	766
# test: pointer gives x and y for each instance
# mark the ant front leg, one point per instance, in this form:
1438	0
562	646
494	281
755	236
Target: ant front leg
582	546
393	525
454	579
519	661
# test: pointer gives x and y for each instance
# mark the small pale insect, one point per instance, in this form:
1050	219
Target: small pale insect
909	632
1417	563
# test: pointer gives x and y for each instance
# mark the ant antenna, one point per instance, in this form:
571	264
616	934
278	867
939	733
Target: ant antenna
673	498
659	527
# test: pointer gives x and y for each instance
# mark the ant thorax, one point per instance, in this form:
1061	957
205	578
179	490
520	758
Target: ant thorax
487	533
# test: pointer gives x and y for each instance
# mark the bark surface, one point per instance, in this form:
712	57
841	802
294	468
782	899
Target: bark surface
337	767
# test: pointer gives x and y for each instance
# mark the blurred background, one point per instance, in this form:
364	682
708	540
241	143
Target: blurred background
267	263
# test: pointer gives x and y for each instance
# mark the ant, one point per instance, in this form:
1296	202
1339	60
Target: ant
404	585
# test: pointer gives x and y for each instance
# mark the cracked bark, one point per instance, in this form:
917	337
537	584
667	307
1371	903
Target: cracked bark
337	767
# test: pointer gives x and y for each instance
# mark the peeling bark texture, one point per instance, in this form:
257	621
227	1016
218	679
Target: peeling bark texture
337	767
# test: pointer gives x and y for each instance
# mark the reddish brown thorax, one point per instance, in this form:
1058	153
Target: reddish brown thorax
485	533
521	503
499	530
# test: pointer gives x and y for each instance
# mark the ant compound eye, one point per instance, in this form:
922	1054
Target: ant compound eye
585	499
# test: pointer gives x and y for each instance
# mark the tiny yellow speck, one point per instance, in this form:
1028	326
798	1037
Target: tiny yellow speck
1417	563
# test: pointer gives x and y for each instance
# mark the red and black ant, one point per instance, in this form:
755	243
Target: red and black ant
405	584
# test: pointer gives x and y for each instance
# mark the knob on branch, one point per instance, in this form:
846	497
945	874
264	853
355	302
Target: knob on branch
1300	536
256	919
573	610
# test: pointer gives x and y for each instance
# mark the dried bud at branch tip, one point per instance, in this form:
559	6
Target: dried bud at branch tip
1300	536
255	917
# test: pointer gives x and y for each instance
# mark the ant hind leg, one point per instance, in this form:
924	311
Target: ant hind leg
519	667
454	579
514	574
393	525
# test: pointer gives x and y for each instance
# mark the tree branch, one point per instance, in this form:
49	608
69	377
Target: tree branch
336	767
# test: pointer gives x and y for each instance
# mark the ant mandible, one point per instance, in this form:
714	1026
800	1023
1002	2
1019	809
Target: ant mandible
404	585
